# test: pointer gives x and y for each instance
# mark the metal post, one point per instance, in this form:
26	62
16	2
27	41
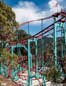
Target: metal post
42	45
36	58
42	49
5	71
12	50
18	51
19	68
13	74
62	35
29	64
55	43
65	35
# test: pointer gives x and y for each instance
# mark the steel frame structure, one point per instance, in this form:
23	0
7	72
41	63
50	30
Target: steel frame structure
57	23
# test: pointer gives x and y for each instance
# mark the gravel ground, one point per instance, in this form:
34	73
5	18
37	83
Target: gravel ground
6	81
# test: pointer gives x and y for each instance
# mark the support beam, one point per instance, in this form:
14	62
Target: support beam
55	42
29	64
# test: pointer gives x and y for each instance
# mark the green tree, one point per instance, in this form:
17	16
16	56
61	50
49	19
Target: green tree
7	22
21	34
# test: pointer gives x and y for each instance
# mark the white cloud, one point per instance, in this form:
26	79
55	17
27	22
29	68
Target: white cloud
27	11
52	3
55	6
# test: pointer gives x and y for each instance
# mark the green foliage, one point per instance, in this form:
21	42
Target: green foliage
53	75
7	58
7	20
21	34
8	34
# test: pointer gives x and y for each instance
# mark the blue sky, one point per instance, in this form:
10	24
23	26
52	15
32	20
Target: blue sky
39	3
26	10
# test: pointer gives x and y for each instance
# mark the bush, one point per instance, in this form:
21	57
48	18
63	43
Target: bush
54	75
